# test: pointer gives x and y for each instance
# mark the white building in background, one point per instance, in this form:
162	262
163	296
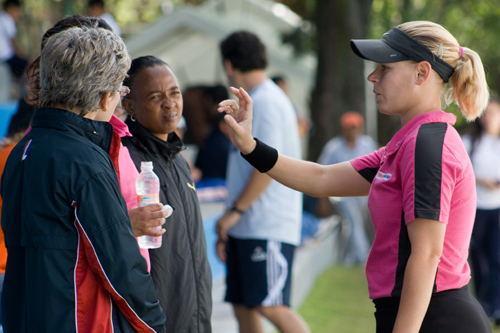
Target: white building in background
188	40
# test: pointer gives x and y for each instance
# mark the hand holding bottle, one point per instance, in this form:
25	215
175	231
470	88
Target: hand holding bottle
145	219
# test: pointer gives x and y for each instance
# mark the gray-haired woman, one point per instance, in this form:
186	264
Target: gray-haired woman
73	263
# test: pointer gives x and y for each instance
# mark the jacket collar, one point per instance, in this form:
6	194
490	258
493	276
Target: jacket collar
99	132
172	146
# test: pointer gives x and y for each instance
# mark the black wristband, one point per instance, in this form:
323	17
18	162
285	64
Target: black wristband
263	157
233	208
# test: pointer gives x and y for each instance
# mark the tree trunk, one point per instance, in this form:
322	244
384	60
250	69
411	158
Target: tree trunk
339	80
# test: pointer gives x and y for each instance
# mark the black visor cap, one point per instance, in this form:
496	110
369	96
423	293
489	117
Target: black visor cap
395	45
376	50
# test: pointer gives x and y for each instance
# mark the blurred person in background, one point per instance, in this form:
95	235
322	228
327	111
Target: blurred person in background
77	243
96	8
10	52
483	146
351	143
181	131
6	146
205	128
304	123
261	227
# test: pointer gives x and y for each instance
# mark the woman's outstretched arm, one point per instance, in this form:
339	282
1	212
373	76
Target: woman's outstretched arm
311	178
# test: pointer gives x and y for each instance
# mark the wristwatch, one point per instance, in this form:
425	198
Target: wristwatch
233	208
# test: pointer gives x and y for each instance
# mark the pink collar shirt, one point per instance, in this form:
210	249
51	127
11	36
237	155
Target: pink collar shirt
423	172
128	173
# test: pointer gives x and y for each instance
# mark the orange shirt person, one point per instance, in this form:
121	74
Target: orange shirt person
4	153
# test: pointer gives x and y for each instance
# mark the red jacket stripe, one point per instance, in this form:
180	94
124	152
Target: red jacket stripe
92	261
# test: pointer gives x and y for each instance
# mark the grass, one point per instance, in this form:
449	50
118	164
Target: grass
339	303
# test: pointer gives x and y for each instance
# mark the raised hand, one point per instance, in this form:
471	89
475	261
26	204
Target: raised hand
239	119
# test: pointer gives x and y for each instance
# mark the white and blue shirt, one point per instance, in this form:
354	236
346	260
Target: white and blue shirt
277	213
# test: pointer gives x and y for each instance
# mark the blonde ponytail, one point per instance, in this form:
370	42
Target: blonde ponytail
467	86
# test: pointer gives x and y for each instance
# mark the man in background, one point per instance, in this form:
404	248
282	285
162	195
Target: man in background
261	227
351	143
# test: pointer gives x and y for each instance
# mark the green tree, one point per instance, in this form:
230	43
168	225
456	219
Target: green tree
473	23
39	15
340	78
339	83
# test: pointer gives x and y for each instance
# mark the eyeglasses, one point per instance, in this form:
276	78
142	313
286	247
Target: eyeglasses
124	91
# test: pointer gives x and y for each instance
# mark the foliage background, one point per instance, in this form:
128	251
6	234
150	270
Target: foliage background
473	22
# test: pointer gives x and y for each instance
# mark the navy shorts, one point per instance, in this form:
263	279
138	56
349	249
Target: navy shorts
259	272
454	310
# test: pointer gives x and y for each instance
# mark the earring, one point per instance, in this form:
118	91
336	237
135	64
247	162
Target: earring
132	118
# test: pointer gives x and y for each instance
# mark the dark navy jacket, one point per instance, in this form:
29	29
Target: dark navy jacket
73	263
179	268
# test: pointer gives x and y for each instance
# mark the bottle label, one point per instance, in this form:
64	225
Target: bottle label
147	199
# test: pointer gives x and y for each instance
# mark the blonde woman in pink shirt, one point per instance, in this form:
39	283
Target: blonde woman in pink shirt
420	186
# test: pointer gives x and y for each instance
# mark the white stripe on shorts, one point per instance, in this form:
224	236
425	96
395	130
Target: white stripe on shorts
277	273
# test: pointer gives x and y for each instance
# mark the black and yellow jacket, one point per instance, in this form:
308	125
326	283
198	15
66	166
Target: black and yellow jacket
180	267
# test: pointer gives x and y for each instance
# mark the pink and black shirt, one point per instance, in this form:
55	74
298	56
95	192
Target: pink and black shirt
423	172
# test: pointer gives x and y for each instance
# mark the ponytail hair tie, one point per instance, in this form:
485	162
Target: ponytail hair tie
460	52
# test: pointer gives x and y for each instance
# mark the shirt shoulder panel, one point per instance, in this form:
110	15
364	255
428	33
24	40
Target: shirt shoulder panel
428	170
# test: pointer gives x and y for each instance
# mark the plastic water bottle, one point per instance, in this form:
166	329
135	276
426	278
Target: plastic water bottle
147	187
